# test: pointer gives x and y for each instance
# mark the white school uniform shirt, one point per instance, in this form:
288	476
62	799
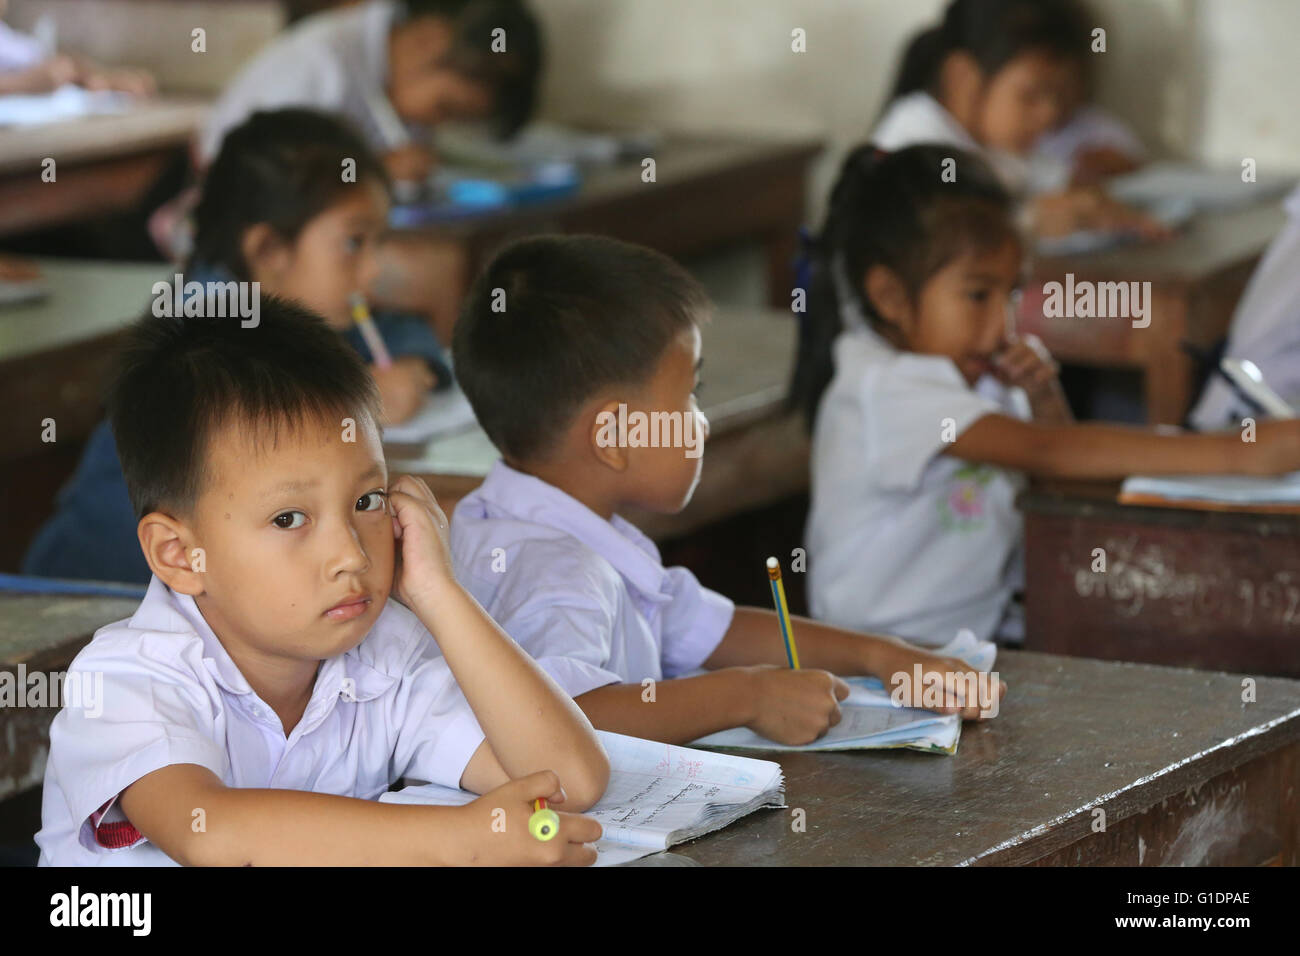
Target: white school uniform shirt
916	118
1265	329
901	538
335	61
389	708
589	599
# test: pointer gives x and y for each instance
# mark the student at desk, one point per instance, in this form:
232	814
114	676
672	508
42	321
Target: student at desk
993	78
392	68
928	411
275	211
596	328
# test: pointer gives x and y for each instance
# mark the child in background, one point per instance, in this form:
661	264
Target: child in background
267	677
276	209
993	78
928	410
394	69
590	324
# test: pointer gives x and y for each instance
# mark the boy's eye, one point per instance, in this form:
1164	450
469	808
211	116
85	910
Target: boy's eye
979	295
354	243
372	501
289	520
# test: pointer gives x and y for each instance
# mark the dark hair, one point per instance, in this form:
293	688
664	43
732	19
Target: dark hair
512	76
896	210
580	313
994	32
178	381
281	167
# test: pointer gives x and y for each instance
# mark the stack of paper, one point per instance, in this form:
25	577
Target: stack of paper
1244	492
658	795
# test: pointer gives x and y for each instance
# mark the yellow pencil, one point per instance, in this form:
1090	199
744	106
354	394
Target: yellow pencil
782	612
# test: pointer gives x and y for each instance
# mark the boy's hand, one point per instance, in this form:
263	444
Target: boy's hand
795	707
495	827
951	676
1088	208
424	554
403	387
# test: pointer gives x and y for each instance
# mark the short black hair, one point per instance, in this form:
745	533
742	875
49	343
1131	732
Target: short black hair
281	167
579	313
994	32
177	381
512	75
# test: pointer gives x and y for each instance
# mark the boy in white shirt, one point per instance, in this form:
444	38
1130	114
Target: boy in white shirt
393	69
564	345
267	678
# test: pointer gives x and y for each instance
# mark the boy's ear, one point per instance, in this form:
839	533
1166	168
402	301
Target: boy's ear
608	443
264	251
888	296
169	548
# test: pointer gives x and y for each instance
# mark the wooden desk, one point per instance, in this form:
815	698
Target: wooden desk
43	633
1210	589
105	164
1196	280
708	193
54	357
1186	775
757	453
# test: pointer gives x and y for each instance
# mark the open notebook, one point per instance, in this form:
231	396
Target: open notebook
869	719
1215	492
658	795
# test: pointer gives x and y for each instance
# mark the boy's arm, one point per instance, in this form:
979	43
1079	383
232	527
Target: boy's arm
530	723
1115	451
253	827
679	710
280	827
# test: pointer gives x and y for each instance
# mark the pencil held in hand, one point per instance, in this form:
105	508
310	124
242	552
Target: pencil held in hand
782	612
361	316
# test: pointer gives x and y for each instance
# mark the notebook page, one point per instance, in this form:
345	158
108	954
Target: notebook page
1231	489
658	794
443	413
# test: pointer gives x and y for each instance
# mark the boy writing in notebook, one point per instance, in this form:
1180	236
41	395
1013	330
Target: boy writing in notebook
267	691
562	342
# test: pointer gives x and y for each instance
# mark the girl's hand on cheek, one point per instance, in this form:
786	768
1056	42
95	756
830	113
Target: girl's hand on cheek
423	560
1026	363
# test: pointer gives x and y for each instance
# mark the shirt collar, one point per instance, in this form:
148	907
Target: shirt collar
166	610
633	555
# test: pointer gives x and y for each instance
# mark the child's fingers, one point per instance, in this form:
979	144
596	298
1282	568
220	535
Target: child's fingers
576	828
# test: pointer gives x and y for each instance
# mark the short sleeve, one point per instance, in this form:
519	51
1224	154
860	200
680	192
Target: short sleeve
437	732
570	641
130	714
913	407
694	623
